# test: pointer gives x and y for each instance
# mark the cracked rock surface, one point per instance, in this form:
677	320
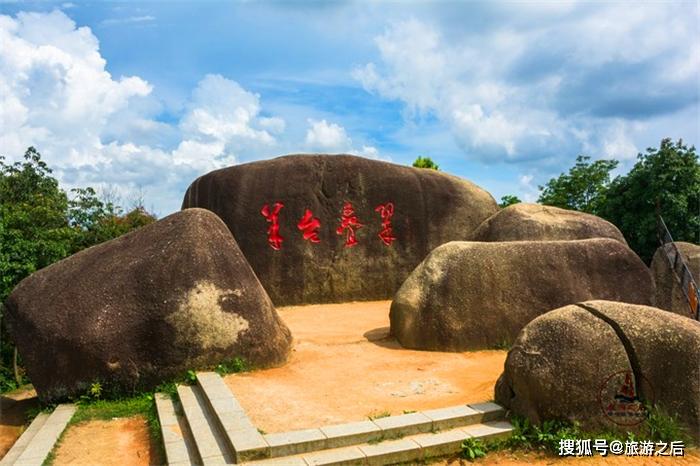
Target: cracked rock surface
574	363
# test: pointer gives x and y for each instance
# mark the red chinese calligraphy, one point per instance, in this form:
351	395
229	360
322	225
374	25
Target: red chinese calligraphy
349	222
273	232
309	225
386	211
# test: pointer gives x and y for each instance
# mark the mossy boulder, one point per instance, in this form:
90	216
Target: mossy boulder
141	309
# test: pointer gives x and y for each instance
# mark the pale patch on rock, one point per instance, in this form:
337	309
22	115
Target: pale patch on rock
201	321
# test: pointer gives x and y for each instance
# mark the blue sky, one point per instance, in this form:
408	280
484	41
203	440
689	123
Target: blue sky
143	97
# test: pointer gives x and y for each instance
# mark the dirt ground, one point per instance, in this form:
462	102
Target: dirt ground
13	409
345	367
118	442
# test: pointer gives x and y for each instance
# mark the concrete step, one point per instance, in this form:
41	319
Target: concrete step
410	449
242	437
38	447
390	427
179	444
211	443
222	432
24	439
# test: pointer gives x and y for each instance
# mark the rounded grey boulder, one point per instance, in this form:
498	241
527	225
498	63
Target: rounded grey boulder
335	228
600	362
536	222
141	309
468	295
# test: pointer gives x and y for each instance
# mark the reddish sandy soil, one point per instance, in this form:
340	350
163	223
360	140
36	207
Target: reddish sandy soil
345	367
118	442
13	409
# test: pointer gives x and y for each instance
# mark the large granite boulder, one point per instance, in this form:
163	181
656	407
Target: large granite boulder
143	308
669	295
468	295
599	362
536	222
296	221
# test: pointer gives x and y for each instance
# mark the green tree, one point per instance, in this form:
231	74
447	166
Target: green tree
425	162
98	221
583	188
40	225
34	233
507	200
667	177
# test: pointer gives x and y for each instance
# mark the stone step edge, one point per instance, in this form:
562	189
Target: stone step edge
386	428
243	438
248	444
178	443
43	442
211	443
21	443
414	448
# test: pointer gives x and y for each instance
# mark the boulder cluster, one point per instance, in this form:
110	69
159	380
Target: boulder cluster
561	288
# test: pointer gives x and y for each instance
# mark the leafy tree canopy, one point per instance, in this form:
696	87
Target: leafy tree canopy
40	224
507	200
425	162
583	188
667	177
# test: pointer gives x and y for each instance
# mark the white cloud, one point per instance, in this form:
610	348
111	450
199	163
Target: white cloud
56	95
327	137
487	117
541	82
128	20
527	188
322	136
618	143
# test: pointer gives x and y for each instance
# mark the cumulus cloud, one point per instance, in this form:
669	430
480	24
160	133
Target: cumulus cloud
57	95
544	84
327	137
323	136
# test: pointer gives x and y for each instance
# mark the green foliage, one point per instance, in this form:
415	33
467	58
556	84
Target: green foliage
583	188
668	177
89	409
503	344
39	225
378	415
98	221
473	448
96	390
662	427
232	366
657	427
425	162
543	437
507	200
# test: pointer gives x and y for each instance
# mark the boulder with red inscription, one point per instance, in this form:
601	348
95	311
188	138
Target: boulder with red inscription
331	228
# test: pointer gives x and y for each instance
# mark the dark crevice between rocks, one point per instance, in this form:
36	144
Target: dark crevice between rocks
627	344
